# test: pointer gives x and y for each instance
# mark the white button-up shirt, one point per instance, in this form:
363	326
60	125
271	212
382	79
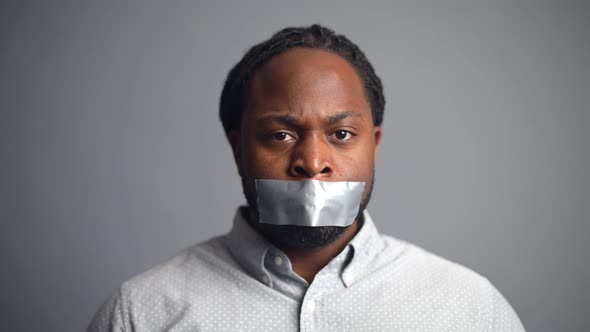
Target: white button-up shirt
241	282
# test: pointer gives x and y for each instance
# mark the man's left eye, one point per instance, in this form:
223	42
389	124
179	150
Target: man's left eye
342	135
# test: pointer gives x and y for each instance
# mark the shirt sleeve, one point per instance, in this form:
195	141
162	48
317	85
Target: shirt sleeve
502	315
111	316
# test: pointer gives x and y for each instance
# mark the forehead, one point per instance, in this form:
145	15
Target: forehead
302	79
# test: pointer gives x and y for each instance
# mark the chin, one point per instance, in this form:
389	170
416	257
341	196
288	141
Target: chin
301	237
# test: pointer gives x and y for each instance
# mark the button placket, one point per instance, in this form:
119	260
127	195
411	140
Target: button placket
308	315
310	309
311	306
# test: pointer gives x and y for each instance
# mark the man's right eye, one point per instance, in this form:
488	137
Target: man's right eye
282	136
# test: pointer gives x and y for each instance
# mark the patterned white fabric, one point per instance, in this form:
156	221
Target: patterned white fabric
240	282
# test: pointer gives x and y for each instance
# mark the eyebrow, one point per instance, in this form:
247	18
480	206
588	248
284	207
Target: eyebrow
332	119
292	120
288	119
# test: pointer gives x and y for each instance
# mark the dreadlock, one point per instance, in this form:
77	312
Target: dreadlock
237	85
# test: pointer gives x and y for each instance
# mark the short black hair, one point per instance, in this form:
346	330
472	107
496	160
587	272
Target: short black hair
236	89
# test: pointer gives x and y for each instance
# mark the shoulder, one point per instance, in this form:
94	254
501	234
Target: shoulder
422	263
410	259
441	283
164	287
203	262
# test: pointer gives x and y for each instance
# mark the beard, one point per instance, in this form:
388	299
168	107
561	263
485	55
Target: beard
296	237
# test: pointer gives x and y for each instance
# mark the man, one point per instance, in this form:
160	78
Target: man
302	112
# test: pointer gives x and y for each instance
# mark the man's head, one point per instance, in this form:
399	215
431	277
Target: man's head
304	105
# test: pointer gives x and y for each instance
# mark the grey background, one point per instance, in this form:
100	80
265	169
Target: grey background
113	158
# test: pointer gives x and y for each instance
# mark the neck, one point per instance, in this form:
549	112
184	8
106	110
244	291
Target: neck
308	262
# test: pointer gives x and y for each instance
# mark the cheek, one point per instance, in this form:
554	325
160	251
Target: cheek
358	163
260	163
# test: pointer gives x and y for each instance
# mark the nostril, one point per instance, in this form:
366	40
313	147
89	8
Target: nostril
325	170
301	171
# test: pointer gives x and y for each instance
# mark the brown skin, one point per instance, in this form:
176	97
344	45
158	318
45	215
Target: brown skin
308	118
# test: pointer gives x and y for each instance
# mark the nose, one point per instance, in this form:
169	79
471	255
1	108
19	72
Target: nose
311	158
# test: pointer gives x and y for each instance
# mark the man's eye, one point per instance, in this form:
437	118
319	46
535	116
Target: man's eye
282	136
342	135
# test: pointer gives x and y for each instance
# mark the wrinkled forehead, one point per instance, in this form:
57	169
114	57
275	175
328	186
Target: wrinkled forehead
307	80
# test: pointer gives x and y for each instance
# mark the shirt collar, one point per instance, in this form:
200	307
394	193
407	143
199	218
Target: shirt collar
365	247
250	249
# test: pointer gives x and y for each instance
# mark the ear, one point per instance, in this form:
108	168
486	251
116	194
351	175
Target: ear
377	133
234	138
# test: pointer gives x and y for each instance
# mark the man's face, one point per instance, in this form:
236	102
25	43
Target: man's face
307	118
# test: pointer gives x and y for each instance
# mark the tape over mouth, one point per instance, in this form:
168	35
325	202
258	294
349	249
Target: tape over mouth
310	203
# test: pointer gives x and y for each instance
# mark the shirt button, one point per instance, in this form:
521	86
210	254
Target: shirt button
278	260
311	306
265	279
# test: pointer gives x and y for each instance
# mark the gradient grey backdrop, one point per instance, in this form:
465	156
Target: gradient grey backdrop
113	158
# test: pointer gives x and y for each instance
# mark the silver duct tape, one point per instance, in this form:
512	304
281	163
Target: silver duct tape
308	203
